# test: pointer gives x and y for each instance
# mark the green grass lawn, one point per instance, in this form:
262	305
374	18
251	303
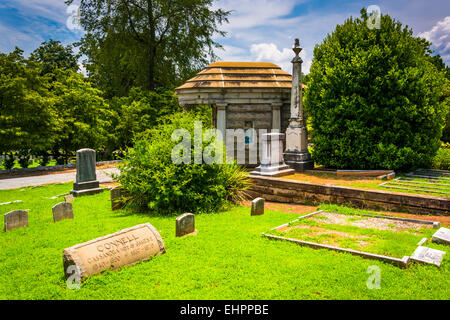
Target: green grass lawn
227	259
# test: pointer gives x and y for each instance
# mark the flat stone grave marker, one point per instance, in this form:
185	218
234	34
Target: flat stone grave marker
16	219
11	202
69	198
62	210
428	255
442	236
257	207
123	248
185	224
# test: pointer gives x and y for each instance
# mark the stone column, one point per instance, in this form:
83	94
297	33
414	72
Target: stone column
86	179
222	118
276	116
297	155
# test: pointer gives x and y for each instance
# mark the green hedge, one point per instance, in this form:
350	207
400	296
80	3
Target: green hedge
374	98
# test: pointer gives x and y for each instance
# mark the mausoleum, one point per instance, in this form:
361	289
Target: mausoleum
242	95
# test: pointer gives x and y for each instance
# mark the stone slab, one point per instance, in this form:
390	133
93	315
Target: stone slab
62	210
185	224
421	242
79	193
86	185
285	171
257	207
442	236
428	255
69	198
16	219
123	248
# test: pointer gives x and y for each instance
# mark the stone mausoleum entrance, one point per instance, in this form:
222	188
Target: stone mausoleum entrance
242	95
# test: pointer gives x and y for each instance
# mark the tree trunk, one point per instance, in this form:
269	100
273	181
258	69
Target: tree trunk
151	47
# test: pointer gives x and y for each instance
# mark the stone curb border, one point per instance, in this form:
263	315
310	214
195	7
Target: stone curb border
402	263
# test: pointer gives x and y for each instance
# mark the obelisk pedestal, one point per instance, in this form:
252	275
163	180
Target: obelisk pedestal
296	154
272	162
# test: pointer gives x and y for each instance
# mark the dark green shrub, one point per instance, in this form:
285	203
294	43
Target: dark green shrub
9	162
374	98
60	161
155	183
45	159
24	160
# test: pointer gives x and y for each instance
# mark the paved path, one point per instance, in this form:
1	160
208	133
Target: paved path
14	183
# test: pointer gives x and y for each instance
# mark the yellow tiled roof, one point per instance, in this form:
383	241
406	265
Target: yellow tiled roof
240	75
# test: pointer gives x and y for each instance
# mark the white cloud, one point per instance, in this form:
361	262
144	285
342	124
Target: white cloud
252	13
54	10
439	37
269	52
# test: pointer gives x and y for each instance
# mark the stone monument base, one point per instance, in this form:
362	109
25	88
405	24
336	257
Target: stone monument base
300	161
273	171
86	188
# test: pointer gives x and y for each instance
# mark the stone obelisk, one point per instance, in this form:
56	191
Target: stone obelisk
296	154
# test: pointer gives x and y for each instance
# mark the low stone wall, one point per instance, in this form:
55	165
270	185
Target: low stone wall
293	191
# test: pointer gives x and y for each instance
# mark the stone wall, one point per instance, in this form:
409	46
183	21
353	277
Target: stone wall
291	191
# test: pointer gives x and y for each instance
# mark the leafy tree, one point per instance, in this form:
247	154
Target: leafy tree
440	65
147	43
27	114
374	97
82	112
139	111
53	55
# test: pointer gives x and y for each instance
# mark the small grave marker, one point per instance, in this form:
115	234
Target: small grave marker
421	242
257	207
123	248
185	224
442	236
69	198
61	211
16	219
116	194
428	255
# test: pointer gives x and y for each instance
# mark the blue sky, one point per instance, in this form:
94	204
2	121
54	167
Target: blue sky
259	30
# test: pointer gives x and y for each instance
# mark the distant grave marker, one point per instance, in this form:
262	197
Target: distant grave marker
62	211
69	198
428	255
16	219
257	207
185	224
123	248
